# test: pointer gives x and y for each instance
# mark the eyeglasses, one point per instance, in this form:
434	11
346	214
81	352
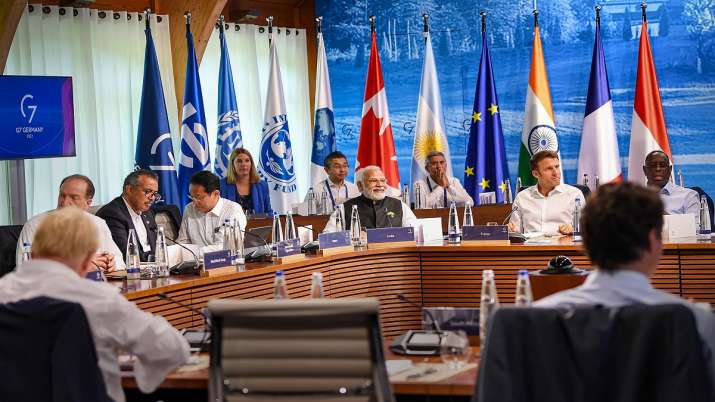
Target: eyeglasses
658	165
197	199
151	194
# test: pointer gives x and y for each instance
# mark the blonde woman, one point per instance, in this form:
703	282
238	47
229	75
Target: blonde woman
244	186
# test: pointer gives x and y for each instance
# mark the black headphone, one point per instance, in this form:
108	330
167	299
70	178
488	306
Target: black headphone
559	265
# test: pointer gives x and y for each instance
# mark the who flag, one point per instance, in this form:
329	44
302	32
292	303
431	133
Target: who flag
324	123
155	150
539	132
598	155
486	169
229	126
429	132
648	132
276	153
194	139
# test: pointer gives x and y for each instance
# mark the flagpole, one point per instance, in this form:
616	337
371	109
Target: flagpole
319	25
187	15
220	24
372	24
146	17
598	16
270	29
483	16
643	7
536	16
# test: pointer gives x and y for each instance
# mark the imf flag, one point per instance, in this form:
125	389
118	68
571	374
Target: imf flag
229	126
276	153
485	169
194	140
324	126
154	148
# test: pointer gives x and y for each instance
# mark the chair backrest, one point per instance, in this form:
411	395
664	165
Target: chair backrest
584	189
47	353
168	216
633	353
297	350
8	247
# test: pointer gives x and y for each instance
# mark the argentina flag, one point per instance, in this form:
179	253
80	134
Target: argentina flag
324	125
276	154
154	146
229	126
194	139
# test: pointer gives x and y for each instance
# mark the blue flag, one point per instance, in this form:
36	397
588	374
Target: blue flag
194	139
486	169
229	126
324	123
154	147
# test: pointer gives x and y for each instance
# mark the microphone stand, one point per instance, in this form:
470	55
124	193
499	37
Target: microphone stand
183	266
206	336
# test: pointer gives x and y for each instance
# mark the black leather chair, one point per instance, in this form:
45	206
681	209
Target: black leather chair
168	216
634	353
8	247
47	353
702	192
584	189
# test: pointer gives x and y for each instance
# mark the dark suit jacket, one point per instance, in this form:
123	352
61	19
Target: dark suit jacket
116	214
259	196
47	353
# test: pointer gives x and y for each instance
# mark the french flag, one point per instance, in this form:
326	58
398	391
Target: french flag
648	131
599	155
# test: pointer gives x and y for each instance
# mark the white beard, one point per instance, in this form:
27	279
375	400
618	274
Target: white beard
374	195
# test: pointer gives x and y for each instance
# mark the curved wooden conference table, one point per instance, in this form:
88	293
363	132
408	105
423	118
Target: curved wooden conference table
434	275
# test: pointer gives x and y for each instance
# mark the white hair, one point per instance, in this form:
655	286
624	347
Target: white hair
360	174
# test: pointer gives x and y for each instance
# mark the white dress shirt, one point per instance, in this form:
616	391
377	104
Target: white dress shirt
201	228
625	287
545	213
680	200
434	194
106	243
335	194
116	323
408	219
139	227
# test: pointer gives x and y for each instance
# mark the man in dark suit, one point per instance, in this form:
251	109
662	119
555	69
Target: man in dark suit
132	210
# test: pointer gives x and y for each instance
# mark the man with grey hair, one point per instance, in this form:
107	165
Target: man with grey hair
132	210
438	189
77	191
376	210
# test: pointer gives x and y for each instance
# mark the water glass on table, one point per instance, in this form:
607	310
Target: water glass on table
455	349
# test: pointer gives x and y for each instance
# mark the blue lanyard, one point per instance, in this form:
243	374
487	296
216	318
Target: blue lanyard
330	193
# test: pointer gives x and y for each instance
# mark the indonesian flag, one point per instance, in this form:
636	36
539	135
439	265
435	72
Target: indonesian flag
376	146
648	126
539	132
599	147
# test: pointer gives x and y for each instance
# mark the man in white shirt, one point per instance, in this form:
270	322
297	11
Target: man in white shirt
65	244
621	227
77	190
204	216
336	189
546	207
676	199
375	209
438	190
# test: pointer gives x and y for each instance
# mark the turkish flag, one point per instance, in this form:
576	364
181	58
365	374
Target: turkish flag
376	145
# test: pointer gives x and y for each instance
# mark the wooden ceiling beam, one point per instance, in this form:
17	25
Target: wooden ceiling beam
10	14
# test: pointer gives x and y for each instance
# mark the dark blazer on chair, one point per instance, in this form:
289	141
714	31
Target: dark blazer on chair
47	353
116	214
259	196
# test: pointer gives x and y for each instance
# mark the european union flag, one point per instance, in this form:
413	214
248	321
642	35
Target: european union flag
154	146
194	139
229	126
486	169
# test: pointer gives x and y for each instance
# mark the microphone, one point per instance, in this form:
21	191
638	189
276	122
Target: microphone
265	243
254	253
514	208
184	267
389	219
435	324
205	335
515	237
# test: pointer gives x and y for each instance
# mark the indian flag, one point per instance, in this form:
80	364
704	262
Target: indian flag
539	131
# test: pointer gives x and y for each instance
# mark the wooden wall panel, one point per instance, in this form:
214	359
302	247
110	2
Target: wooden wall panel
698	275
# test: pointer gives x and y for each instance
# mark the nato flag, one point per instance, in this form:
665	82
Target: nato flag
486	169
154	146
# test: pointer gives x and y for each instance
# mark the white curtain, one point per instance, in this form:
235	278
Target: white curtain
105	58
248	50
